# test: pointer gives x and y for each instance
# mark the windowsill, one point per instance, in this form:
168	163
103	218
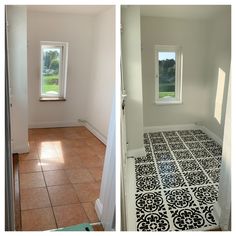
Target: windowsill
52	99
168	102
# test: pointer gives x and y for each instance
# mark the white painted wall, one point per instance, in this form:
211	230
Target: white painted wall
77	30
101	83
132	74
17	38
192	36
219	56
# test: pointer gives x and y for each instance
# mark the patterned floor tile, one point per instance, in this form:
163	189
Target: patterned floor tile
203	137
158	140
183	155
214	175
209	163
179	198
173	139
205	194
163	156
196	178
207	212
215	151
147	183
184	132
189	165
194	145
187	219
218	158
144	159
160	147
156	134
167	167
146	141
197	132
170	133
172	180
147	147
145	169
211	145
177	146
189	138
145	135
201	153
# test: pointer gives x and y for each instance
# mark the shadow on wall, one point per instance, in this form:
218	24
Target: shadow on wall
219	96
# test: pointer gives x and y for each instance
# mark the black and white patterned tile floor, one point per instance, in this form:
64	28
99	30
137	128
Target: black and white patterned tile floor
177	181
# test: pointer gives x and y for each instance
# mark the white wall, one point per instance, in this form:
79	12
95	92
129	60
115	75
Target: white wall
192	36
132	74
78	31
101	85
17	38
219	56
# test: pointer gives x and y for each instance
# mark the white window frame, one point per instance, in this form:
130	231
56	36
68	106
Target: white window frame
62	69
178	74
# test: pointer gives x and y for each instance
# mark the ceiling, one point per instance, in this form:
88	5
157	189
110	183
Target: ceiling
71	9
183	11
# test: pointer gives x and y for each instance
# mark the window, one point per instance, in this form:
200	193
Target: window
168	72
53	70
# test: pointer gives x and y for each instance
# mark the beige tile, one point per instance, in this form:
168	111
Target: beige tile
52	165
90	161
30	166
62	195
87	192
89	209
32	155
56	177
32	198
31	180
69	215
96	173
79	175
38	219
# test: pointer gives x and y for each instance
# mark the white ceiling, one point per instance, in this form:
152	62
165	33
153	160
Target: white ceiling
182	11
72	9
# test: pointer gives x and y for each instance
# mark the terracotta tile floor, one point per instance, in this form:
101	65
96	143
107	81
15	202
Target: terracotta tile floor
60	178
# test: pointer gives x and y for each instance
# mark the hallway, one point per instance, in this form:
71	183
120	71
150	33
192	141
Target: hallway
60	178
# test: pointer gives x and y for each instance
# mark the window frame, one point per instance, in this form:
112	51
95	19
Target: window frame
178	74
62	70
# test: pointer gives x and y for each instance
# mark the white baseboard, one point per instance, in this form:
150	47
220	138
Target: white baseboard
170	127
94	131
98	208
136	152
20	149
55	124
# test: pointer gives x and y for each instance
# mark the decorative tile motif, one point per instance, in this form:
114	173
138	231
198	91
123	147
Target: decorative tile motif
150	202
189	165
194	145
172	180
218	158
197	132
205	194
196	178
184	132
163	156
158	140
187	219
167	167
209	163
144	159
183	155
145	135
177	146
214	175
156	134
146	141
207	212
189	138
160	147
201	153
145	169
203	137
179	198
147	183
157	221
215	151
170	133
147	147
211	145
173	139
